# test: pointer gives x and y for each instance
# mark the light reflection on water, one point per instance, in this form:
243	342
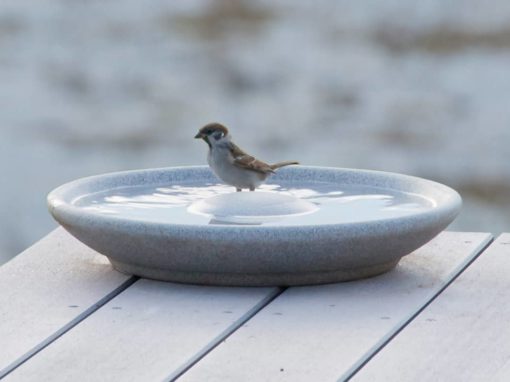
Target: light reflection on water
169	204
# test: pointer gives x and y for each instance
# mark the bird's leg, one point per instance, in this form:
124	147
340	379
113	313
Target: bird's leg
238	189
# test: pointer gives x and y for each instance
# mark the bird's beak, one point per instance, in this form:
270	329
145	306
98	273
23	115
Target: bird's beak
199	135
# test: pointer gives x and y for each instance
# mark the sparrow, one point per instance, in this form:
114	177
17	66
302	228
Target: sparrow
231	164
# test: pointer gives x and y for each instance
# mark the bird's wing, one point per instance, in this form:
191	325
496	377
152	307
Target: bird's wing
246	161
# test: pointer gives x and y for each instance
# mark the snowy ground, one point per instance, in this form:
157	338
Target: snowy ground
94	86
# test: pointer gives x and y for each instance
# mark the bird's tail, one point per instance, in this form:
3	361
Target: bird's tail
282	164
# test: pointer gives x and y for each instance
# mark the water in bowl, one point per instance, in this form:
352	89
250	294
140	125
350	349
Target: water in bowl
335	203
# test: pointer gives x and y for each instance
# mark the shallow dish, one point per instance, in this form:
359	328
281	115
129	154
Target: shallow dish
307	225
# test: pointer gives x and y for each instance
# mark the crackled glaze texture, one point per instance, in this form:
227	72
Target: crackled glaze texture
307	225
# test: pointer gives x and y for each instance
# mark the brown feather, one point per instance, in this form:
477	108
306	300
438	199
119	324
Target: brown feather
246	161
283	164
214	126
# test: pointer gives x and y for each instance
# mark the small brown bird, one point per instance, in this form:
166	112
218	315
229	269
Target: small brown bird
230	163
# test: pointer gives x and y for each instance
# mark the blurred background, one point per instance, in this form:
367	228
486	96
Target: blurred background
88	87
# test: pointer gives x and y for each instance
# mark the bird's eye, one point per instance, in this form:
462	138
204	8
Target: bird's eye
208	132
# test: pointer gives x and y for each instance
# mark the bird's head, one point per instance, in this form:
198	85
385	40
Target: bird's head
212	132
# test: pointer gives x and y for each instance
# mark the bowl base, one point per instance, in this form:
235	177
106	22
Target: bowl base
252	279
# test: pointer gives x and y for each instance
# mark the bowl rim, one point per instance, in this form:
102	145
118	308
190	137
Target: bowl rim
65	212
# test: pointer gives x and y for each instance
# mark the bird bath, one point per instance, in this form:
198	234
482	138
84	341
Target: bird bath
306	225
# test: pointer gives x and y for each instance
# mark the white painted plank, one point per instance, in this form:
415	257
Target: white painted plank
323	333
150	332
46	287
463	335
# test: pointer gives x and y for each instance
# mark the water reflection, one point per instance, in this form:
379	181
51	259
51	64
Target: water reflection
169	204
215	221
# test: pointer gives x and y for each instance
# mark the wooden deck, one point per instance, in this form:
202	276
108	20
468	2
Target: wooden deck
442	315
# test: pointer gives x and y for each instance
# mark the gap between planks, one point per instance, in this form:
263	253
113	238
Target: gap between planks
378	347
225	334
71	324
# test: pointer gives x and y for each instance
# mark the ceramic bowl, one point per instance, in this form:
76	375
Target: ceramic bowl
307	225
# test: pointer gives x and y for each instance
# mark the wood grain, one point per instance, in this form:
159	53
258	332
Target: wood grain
150	332
463	335
324	333
45	288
